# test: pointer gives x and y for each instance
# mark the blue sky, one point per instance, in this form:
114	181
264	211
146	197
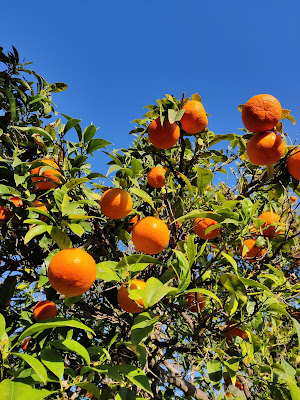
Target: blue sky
118	57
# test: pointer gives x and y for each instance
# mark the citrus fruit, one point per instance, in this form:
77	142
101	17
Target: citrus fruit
44	310
5	214
72	272
25	343
192	304
39	204
234	331
293	164
49	178
150	235
253	252
156	177
200	226
265	148
116	203
194	119
270	218
261	113
17	201
132	223
293	199
128	304
163	137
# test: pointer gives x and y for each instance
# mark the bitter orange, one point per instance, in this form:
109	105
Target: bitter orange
44	310
194	119
200	226
265	148
116	203
156	177
72	272
127	304
163	137
132	223
253	252
49	178
195	300
17	201
150	235
268	229
293	164
5	214
261	113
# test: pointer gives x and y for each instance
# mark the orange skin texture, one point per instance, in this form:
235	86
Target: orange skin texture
293	199
200	226
116	203
128	304
194	119
16	201
150	235
265	148
270	218
42	206
293	164
132	223
5	214
261	113
72	272
156	177
234	331
44	310
49	179
163	137
191	301
254	252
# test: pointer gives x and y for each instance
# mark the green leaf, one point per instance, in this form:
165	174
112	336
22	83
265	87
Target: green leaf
73	183
174	115
143	324
136	376
58	323
53	361
71	123
35	129
125	394
184	271
7	289
11	390
12	101
77	229
232	366
206	293
136	262
235	286
58	87
143	195
90	388
297	326
204	177
2	327
60	238
36	230
253	283
72	345
231	260
154	291
187	182
35	364
106	273
214	370
89	133
96	144
191	249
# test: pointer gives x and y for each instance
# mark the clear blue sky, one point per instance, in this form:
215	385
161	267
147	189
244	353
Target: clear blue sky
119	56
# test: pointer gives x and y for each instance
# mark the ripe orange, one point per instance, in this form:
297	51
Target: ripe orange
5	214
261	113
25	343
191	301
116	203
150	235
293	164
194	119
163	137
43	206
17	201
265	148
293	199
239	385
200	226
254	252
132	222
128	304
270	218
72	272
234	331
49	178
156	177
44	310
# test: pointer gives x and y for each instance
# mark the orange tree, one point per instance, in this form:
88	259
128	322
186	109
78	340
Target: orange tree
236	336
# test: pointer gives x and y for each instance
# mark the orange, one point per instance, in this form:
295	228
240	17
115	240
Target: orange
72	272
132	223
194	119
163	137
150	235
44	310
191	301
270	218
261	113
43	206
239	385
265	148
49	178
17	201
116	203
253	251
293	199
228	394
200	226
127	304
234	331
156	177
5	214
293	164
25	343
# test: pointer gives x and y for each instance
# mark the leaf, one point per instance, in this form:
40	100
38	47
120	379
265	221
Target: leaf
36	230
35	129
154	291
196	97
214	370
2	327
191	249
235	286
232	366
105	272
125	394
187	182
89	133
231	260
286	114
297	326
35	364
143	195
253	283
204	177
7	289
206	293
136	376
58	87
90	388
60	238
58	323
53	361
174	115
143	324
12	102
137	262
72	122
73	183
184	271
77	229
11	390
96	144
74	346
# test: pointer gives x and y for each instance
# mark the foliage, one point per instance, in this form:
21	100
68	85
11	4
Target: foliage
166	351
